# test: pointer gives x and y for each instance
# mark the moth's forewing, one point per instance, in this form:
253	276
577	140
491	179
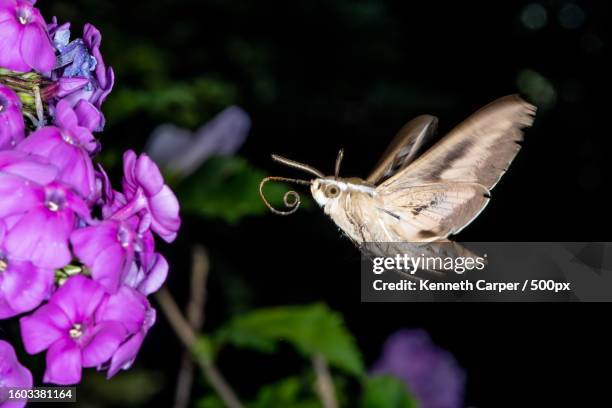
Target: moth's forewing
404	148
479	150
443	190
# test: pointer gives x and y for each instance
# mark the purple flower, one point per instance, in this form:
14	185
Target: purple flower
431	373
68	149
12	374
30	167
133	309
24	42
80	326
181	152
145	191
23	286
40	220
107	249
11	119
81	74
148	277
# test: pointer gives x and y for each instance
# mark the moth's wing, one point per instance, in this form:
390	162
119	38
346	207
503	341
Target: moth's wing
479	150
430	212
404	147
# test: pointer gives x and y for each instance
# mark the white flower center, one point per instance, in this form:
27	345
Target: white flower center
76	331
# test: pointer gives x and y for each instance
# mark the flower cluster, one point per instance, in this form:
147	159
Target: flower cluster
77	257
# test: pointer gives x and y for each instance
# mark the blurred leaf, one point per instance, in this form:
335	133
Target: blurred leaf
183	103
203	348
310	329
128	388
385	391
291	392
228	188
210	401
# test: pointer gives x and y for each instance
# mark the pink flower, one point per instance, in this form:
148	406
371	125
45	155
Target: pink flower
12	374
146	193
67	147
24	41
81	326
133	309
40	220
107	249
11	119
23	286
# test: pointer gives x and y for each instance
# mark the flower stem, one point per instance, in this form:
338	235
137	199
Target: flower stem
324	386
195	315
188	337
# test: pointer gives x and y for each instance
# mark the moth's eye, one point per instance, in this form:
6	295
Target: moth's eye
332	191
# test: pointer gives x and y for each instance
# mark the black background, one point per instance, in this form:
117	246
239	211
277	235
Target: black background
342	80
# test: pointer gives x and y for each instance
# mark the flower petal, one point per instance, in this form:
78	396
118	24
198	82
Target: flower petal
25	286
164	207
63	363
89	116
79	298
41	236
18	195
10	52
126	354
65	117
30	167
12	374
105	342
155	277
36	48
44	327
148	175
127	307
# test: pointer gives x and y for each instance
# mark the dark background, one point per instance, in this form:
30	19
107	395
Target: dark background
319	75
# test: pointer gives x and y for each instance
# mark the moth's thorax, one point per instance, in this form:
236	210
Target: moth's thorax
327	191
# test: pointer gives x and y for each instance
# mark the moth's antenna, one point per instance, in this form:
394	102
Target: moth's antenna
297	165
291	198
338	162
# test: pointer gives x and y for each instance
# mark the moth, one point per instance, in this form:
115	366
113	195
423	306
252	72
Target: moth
416	196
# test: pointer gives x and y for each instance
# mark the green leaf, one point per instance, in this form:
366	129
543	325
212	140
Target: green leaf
384	391
203	349
184	103
130	388
210	401
228	188
310	329
291	392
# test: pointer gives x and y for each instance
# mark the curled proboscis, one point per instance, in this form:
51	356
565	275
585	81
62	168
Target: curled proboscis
291	199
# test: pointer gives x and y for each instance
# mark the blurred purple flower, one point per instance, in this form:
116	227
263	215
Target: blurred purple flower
146	193
430	373
107	249
24	42
12	126
181	152
12	374
80	326
23	286
39	220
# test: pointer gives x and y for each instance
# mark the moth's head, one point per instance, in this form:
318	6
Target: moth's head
325	190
